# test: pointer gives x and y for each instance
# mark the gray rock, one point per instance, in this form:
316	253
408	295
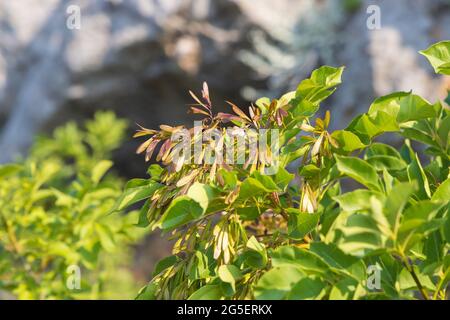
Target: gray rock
139	57
386	60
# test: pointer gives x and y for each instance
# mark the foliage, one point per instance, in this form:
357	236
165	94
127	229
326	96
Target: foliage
54	209
352	204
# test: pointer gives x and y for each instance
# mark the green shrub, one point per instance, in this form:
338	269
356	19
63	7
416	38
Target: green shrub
54	218
352	207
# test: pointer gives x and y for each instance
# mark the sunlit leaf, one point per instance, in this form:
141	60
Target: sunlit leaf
359	170
439	56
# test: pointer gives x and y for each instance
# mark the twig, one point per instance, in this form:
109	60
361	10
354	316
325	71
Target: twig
410	269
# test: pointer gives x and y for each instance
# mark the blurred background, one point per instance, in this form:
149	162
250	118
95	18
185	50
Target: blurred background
139	58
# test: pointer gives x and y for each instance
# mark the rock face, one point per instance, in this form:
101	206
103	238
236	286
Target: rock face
139	57
131	56
381	61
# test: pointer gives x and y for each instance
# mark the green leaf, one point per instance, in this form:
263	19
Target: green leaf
263	104
320	85
347	141
386	162
303	259
200	266
359	170
143	215
254	244
309	171
396	201
295	149
447	225
286	98
413	130
106	237
417	174
303	108
344	289
422	210
207	292
62	199
360	234
100	169
306	289
229	274
390	269
444	130
413	107
367	126
434	248
385	122
266	181
229	178
407	282
442	193
282	178
135	191
251	187
439	57
182	210
165	263
381	149
332	255
256	256
148	292
277	283
419	219
202	194
248	213
390	104
364	126
301	223
155	171
9	169
58	248
357	200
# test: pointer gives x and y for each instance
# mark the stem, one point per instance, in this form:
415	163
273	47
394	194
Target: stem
419	285
410	269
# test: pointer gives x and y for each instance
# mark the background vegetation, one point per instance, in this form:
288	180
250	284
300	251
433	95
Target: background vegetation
54	210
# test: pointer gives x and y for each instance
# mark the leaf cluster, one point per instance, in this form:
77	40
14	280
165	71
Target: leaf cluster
352	202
